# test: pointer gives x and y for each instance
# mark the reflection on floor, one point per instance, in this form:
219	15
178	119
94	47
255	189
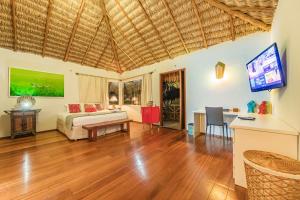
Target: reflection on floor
149	164
172	124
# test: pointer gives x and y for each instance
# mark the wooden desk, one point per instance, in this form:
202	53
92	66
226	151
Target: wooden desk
265	133
200	121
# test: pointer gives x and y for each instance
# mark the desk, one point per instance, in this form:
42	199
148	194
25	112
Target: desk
265	133
200	121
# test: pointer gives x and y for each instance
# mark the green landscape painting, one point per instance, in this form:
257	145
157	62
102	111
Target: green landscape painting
34	83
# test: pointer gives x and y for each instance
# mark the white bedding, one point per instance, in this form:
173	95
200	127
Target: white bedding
78	133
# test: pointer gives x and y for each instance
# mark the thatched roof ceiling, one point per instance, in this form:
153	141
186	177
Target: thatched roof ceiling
121	35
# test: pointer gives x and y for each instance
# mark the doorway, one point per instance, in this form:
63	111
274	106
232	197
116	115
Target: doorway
172	99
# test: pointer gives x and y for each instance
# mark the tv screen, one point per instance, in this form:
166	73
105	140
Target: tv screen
266	71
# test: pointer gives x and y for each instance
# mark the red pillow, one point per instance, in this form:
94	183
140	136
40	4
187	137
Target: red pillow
89	108
74	108
99	106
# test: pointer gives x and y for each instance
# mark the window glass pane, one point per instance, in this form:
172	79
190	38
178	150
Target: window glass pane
113	93
132	92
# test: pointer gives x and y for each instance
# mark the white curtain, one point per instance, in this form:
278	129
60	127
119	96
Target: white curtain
146	89
93	90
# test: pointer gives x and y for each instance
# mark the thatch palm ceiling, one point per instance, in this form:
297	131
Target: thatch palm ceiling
121	35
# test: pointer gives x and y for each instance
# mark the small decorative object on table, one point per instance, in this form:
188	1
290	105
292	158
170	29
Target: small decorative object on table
262	109
25	102
251	106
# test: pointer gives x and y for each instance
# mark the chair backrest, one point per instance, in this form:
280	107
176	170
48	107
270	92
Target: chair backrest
214	116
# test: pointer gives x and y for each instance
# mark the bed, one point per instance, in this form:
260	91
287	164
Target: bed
71	123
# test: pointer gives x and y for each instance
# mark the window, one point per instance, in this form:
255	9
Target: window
113	93
132	92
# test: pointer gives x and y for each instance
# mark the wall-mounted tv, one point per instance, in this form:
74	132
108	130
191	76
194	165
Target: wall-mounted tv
266	71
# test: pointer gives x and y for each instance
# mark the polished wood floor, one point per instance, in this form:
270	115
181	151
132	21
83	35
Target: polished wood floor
158	164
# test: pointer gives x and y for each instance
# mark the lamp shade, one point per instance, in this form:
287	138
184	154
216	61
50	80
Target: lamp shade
220	69
113	99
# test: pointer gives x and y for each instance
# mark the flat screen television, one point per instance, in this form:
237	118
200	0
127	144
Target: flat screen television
266	71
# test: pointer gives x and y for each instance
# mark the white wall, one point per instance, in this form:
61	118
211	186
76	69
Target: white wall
202	88
50	106
286	32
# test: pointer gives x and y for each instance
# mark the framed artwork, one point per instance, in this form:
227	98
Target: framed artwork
132	92
24	82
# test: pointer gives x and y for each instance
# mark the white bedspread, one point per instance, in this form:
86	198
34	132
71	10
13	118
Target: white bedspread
79	121
78	133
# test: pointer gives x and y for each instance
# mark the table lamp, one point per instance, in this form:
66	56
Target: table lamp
113	100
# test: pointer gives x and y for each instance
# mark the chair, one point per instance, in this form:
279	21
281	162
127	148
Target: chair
214	117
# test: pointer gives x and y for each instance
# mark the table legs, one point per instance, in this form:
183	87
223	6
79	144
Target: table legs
92	134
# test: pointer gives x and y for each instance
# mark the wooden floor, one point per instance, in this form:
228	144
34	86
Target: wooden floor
158	164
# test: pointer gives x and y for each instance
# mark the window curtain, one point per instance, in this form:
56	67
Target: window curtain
146	89
93	90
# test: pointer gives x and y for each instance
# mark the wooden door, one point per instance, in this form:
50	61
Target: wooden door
182	112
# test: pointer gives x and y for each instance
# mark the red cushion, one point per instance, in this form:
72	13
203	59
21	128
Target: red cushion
99	106
89	108
74	108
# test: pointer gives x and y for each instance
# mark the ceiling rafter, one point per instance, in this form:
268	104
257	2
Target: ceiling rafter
175	25
253	9
156	30
239	14
49	12
92	41
199	22
126	39
136	30
126	54
113	45
232	28
102	53
14	24
82	4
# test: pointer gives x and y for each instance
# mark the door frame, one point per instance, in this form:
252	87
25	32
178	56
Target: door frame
182	96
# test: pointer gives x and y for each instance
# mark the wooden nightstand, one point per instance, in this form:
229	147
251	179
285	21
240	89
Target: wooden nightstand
22	121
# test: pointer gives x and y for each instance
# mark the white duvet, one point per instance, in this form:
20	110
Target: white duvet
102	117
78	133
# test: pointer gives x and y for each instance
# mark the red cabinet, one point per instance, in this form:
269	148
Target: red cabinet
151	114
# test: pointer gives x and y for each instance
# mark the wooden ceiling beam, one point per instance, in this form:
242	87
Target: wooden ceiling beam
49	13
126	54
126	39
239	14
92	41
136	30
253	9
156	30
113	45
195	8
102	53
14	24
75	26
175	25
232	27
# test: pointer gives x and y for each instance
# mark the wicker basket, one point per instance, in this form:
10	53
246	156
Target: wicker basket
271	176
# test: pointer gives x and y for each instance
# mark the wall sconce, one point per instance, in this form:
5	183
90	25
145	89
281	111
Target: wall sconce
220	69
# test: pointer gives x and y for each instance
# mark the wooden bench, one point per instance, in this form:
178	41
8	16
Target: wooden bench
93	128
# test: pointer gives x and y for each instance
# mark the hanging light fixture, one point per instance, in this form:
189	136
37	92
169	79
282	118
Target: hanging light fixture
220	69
